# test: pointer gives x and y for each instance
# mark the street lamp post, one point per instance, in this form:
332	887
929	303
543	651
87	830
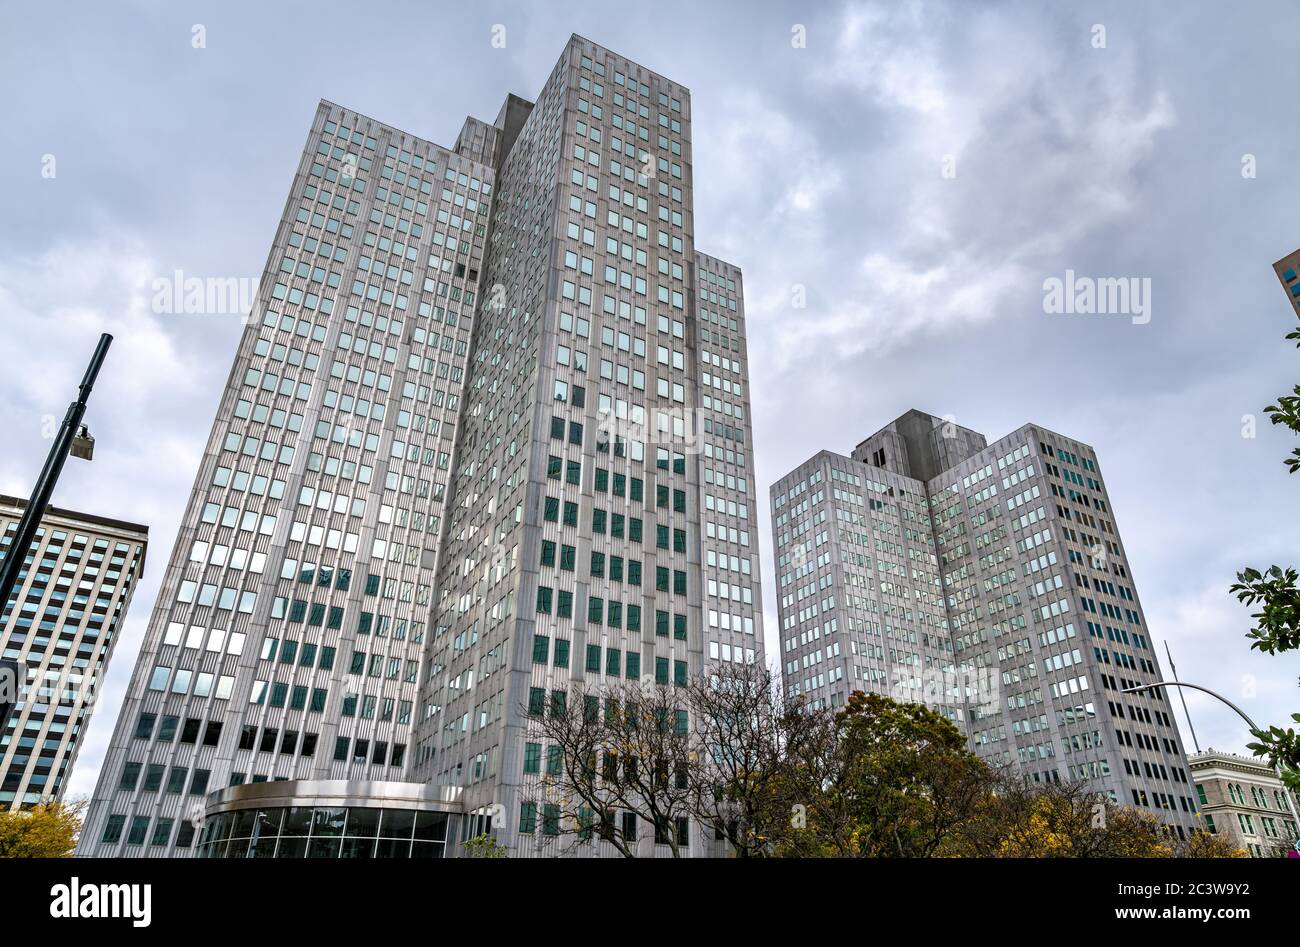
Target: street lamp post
73	438
1286	791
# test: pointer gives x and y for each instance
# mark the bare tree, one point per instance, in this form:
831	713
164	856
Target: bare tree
743	726
803	793
625	749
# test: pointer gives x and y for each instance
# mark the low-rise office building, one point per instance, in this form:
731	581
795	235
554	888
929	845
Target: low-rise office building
1242	798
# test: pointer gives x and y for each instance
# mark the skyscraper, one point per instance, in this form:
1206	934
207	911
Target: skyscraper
989	581
1287	270
487	434
64	622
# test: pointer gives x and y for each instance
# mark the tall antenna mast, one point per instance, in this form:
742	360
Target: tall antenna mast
1174	671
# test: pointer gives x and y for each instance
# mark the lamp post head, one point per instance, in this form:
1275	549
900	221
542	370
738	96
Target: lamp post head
83	445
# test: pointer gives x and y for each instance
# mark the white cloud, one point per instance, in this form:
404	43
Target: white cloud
150	412
888	52
1206	629
1045	157
1067	144
56	305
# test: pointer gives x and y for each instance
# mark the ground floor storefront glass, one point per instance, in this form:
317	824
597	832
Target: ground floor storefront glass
325	832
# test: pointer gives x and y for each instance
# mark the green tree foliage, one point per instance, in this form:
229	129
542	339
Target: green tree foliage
876	779
1277	622
485	846
886	779
889	779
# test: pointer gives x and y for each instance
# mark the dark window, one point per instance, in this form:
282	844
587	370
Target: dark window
144	726
113	829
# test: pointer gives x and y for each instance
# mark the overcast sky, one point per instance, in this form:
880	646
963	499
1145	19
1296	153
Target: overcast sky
821	167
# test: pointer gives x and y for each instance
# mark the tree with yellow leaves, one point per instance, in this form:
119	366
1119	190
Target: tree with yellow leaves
1020	819
1063	823
46	830
1205	845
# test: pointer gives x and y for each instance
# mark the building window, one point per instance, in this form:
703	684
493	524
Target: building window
532	758
113	829
139	829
